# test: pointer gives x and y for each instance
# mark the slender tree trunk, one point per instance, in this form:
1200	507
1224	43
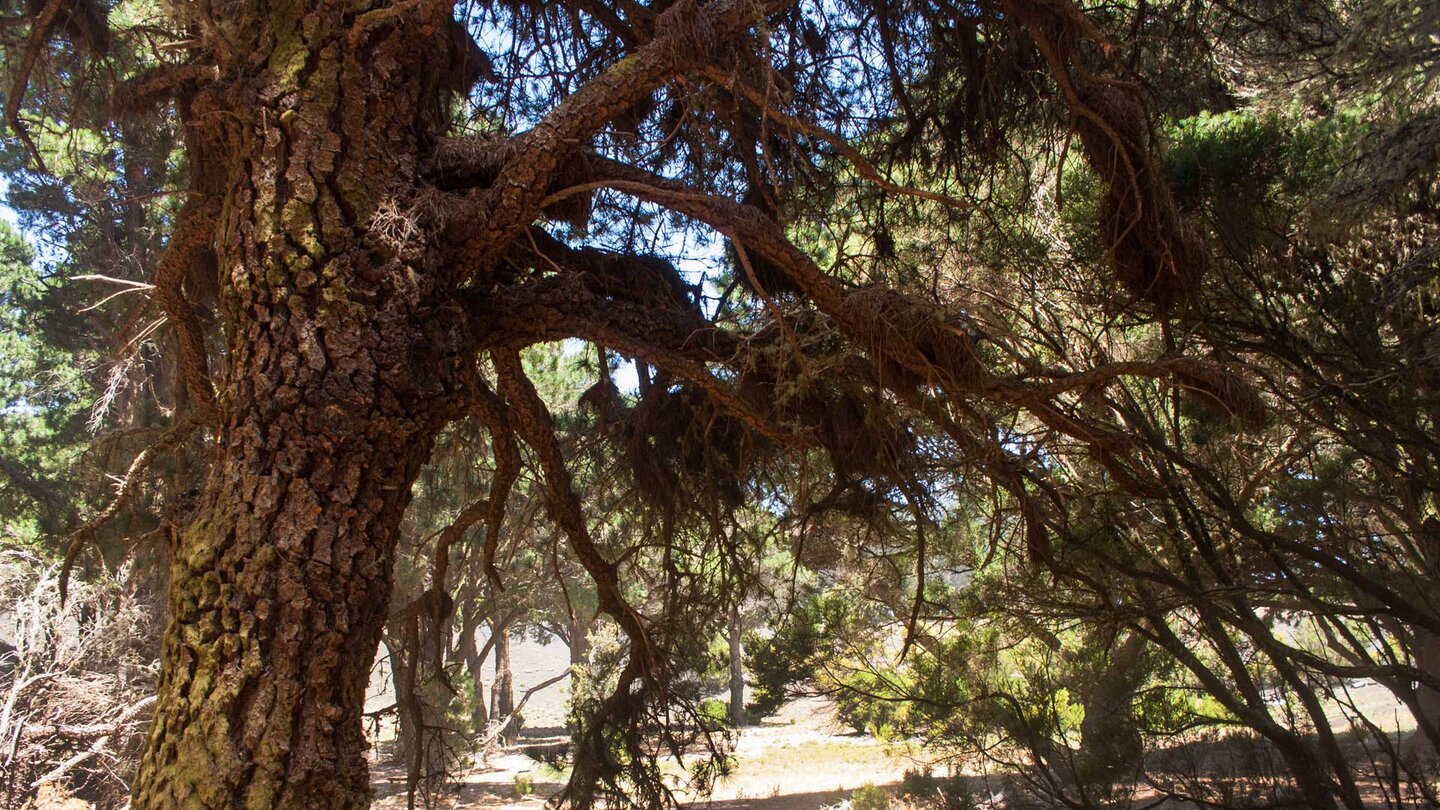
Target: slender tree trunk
402	679
737	670
475	667
340	370
502	694
580	625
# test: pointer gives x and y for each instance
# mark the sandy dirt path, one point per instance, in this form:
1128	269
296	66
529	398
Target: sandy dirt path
800	760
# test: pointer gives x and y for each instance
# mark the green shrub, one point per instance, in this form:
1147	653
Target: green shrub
524	784
919	785
924	789
802	641
869	797
714	714
873	703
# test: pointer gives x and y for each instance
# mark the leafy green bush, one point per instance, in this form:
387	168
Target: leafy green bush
874	703
791	655
714	714
524	784
925	789
869	797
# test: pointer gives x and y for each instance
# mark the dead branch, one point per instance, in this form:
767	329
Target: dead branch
500	725
101	735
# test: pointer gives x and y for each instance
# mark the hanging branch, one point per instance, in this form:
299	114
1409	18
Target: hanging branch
35	44
87	533
534	422
495	415
189	249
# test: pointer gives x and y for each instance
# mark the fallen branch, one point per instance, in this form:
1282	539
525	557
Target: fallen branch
500	725
93	730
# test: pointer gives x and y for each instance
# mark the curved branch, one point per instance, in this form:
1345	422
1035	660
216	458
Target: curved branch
866	169
686	36
189	246
534	422
901	331
86	533
495	414
894	327
562	307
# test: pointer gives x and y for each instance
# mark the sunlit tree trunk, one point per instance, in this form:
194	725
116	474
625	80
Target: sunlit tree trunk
502	694
579	641
469	652
401	680
737	669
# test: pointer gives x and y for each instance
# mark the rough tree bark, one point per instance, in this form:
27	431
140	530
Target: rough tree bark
340	369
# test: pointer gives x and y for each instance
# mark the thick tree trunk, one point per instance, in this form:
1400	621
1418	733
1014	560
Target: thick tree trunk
1427	644
278	593
339	372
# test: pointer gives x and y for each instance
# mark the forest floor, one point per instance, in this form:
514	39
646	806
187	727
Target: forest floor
801	759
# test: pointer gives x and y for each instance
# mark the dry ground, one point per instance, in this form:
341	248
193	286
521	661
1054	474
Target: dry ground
800	760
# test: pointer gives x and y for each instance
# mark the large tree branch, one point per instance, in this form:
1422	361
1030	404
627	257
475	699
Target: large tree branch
565	306
40	28
155	86
1156	254
533	421
686	36
495	414
913	343
893	327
